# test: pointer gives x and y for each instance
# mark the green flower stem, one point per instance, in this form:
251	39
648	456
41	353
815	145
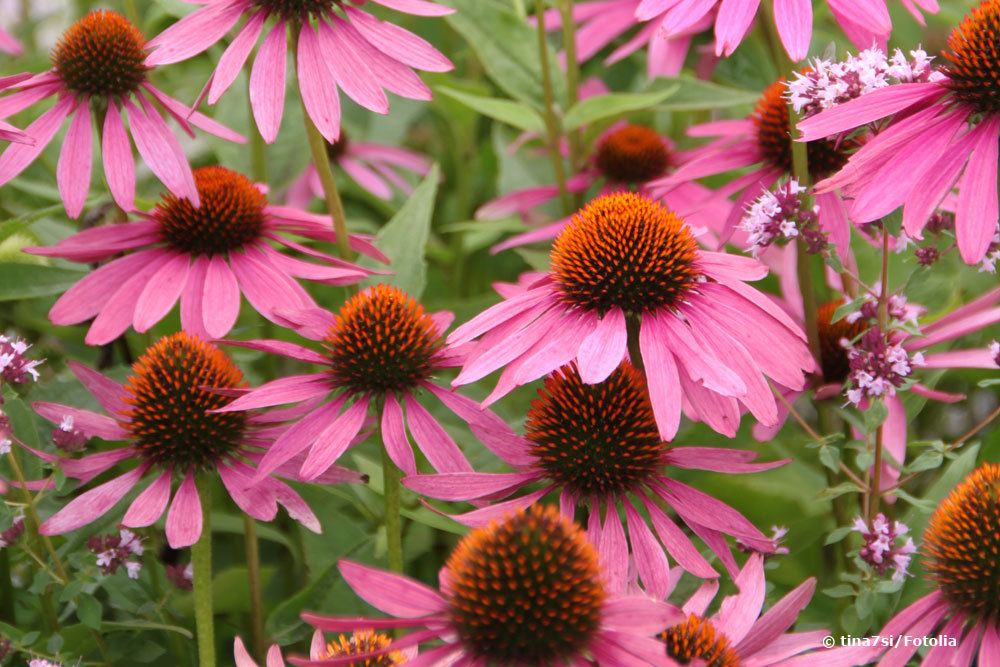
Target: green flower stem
252	549
552	125
572	78
34	521
633	323
201	560
392	520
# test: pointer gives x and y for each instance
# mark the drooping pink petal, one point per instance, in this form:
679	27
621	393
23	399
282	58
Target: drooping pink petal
93	504
267	82
88	467
391	593
195	32
439	447
602	351
718	459
220	299
241	655
352	73
161	292
650	559
457	486
317	85
731	23
399	43
235	56
254	499
117	312
297	438
977	212
89	423
333	441
777	619
18	156
148	506
739	612
192	305
75	161
160	150
661	376
185	516
639	614
793	19
394	435
677	544
110	394
290	389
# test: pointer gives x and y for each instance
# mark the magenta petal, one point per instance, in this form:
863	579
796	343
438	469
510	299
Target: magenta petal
661	376
456	486
678	544
109	393
76	160
739	612
88	467
256	500
191	298
602	351
93	504
717	459
17	157
639	614
793	19
613	550
285	349
777	619
290	389
161	292
867	108
351	71
731	23
650	559
160	150
393	594
319	91
148	506
241	655
267	82
119	164
296	507
416	7
297	438
398	43
185	515
220	299
394	435
977	212
439	447
332	442
235	56
89	423
498	511
117	312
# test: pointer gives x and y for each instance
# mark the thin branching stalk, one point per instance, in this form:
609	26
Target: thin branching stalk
552	125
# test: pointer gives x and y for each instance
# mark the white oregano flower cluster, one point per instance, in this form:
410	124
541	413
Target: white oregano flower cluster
778	217
828	83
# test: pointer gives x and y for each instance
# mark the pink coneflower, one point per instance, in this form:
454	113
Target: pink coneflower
529	590
627	268
601	22
167	413
339	46
961	547
944	134
762	143
380	350
598	445
101	62
358	643
243	659
836	369
374	167
626	157
738	634
863	22
204	257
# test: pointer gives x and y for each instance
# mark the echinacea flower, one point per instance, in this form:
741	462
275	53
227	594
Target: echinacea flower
601	22
738	633
380	350
862	21
961	549
597	445
625	157
101	63
627	268
529	590
374	167
336	45
166	414
943	134
357	643
204	257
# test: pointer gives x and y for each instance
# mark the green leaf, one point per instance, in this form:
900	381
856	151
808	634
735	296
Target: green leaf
837	535
839	490
927	461
839	591
404	239
593	109
507	47
518	114
28	281
865	603
89	611
695	94
875	415
123	626
845	309
830	457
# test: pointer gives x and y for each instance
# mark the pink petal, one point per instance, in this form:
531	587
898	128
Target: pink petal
351	71
161	292
394	435
297	438
93	504
235	56
650	559
89	423
866	109
739	612
602	351
75	161
191	298
185	515
109	393
392	594
731	23
220	299
267	82
85	299
319	91
117	312
290	389
793	19
241	655
160	150
457	486
977	212
332	442
17	157
778	618
661	376
195	32
416	7
148	506
399	43
639	614
439	447
678	544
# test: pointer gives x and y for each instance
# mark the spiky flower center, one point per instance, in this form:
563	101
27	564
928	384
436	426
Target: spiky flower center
973	60
697	639
382	341
962	545
297	9
363	642
833	355
230	215
170	394
632	154
595	439
102	54
526	591
773	127
626	251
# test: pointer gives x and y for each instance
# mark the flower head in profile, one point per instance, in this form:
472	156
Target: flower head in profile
940	134
101	63
961	550
738	633
381	350
376	168
527	590
626	264
597	445
339	47
165	414
206	258
626	157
